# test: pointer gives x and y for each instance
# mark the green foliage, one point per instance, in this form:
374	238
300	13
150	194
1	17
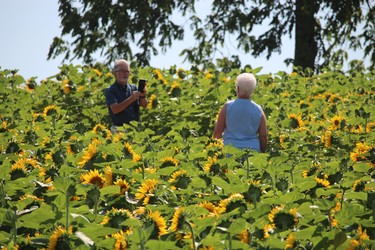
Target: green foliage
67	182
321	30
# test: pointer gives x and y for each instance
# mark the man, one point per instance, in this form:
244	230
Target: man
123	99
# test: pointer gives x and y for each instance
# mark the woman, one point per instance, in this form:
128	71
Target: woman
242	122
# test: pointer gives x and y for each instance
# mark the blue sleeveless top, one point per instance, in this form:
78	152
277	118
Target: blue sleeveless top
242	124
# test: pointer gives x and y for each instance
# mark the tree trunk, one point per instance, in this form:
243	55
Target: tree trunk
306	47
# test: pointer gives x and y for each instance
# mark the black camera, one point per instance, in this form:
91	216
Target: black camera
142	85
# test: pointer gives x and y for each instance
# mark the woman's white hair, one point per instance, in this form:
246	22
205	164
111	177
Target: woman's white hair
246	84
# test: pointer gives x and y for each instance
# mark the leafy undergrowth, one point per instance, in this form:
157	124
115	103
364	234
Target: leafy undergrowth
67	183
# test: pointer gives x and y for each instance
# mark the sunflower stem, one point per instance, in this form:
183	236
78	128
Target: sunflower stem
67	211
143	171
247	166
192	233
230	242
14	226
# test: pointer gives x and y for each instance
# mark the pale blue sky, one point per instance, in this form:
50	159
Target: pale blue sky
28	26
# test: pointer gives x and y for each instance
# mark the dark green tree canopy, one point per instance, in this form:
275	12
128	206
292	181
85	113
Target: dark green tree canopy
323	29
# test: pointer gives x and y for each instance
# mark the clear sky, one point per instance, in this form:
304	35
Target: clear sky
28	26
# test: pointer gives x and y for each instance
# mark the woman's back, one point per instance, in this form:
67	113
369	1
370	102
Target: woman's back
242	122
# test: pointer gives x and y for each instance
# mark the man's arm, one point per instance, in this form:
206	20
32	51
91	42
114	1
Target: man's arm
118	107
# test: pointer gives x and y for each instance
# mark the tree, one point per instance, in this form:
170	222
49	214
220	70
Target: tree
323	29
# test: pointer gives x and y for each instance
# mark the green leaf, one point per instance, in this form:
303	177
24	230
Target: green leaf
307	184
306	233
340	238
64	185
361	167
356	196
114	189
38	217
221	183
238	226
197	183
157	244
97	232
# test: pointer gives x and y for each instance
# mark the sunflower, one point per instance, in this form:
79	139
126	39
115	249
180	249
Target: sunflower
149	170
281	219
210	207
27	163
115	217
313	170
18	171
290	242
31	197
181	73
108	176
49	183
336	122
146	190
89	153
332	220
153	102
101	130
175	90
208	75
136	157
178	219
267	229
169	162
254	192
93	177
51	110
244	236
322	182
159	223
212	166
97	72
160	76
128	149
65	86
333	98
369	126
232	202
296	121
30	85
357	129
359	186
139	211
118	136
120	243
80	88
282	139
13	147
327	138
124	185
179	179
4	125
358	242
59	238
215	143
360	152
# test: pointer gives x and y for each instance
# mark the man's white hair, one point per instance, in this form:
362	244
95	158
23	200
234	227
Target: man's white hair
118	62
246	83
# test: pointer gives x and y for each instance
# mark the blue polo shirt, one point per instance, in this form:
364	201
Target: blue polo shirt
116	94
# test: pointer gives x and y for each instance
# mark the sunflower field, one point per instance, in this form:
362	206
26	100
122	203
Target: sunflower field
67	182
